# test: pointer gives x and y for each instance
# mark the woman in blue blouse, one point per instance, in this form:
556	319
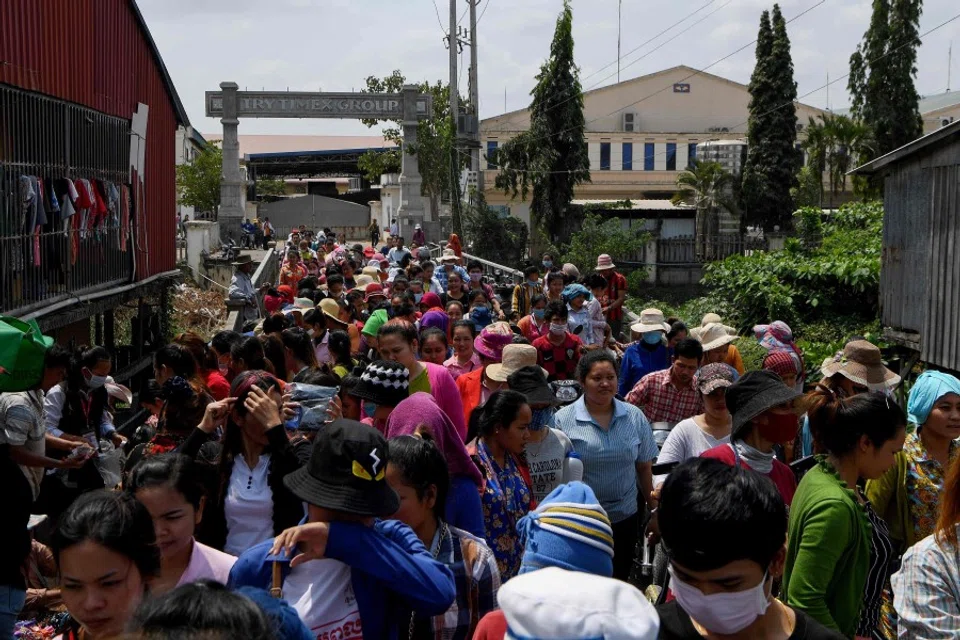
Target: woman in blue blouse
501	428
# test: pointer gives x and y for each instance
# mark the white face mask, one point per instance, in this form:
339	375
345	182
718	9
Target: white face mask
312	333
722	613
95	382
558	329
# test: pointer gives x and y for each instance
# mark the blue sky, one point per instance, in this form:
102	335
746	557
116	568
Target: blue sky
333	45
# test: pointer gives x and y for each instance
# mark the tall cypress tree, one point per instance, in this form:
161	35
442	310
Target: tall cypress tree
772	159
550	158
882	73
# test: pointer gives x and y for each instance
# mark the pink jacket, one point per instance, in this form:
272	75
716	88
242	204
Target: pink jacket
444	389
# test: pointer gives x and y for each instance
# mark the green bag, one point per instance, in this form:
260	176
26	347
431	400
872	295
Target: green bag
22	351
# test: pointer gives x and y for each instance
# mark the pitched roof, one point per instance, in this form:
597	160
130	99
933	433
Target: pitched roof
680	67
939	101
938	137
182	117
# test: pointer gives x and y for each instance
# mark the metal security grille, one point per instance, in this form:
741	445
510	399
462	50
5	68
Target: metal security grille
52	139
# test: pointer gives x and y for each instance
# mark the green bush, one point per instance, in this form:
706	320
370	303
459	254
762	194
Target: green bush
599	235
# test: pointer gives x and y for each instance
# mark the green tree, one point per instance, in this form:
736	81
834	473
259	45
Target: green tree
809	189
882	73
434	148
550	159
271	188
499	239
198	183
834	143
708	187
599	235
772	158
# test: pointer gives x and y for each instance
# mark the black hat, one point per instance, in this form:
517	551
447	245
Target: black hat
384	382
754	393
531	382
346	471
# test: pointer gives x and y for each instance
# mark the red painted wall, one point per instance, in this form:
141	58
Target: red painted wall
94	53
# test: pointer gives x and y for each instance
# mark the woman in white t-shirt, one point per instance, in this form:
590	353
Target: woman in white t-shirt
693	436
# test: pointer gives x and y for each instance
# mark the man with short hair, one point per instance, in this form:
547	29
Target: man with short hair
670	395
725	530
398	253
559	350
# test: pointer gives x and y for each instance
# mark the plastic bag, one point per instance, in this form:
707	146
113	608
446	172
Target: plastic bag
109	463
313	400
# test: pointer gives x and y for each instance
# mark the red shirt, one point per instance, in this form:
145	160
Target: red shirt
661	401
559	361
217	385
615	284
492	626
781	474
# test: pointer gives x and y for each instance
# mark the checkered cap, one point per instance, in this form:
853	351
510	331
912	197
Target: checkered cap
384	382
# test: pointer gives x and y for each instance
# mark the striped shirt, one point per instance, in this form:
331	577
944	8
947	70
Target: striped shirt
926	591
610	455
476	577
441	275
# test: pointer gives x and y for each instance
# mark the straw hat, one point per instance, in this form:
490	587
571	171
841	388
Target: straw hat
714	335
363	281
331	310
650	320
515	357
710	318
371	271
449	256
861	363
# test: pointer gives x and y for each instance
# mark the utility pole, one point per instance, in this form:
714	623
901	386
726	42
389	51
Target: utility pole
475	97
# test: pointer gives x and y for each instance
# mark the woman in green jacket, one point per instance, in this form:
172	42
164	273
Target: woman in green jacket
908	495
838	550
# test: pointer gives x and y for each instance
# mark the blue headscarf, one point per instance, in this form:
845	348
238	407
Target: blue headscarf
930	387
571	291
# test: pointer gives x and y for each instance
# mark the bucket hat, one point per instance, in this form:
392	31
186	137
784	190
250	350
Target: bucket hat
449	256
373	272
754	393
570	270
513	358
363	281
385	382
532	382
709	319
714	335
346	471
604	261
716	375
492	339
368	252
375	289
861	363
650	320
243	258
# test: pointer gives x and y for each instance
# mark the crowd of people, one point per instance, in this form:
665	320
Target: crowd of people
491	461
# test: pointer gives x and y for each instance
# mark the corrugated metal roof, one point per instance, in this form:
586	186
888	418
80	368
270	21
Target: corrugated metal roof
640	205
940	136
939	101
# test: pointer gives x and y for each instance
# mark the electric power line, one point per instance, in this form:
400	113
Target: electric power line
820	88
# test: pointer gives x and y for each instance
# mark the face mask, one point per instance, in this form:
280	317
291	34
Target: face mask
95	382
418	297
722	613
538	313
224	369
475	277
312	333
652	337
533	283
558	329
547	264
542	418
780	427
369	408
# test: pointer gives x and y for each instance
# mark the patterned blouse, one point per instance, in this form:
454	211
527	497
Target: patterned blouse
924	485
505	499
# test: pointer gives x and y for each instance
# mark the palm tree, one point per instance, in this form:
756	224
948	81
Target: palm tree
833	144
708	187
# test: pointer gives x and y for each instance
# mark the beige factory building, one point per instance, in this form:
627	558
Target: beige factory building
641	133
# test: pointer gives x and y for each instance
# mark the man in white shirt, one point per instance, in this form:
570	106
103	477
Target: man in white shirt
22	424
398	253
242	289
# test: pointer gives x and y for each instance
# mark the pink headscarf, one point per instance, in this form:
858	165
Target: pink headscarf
422	409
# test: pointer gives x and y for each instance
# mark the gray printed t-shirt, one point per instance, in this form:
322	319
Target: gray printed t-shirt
546	460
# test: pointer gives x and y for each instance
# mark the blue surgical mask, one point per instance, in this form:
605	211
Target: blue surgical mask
538	313
542	418
418	297
548	264
653	337
369	408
